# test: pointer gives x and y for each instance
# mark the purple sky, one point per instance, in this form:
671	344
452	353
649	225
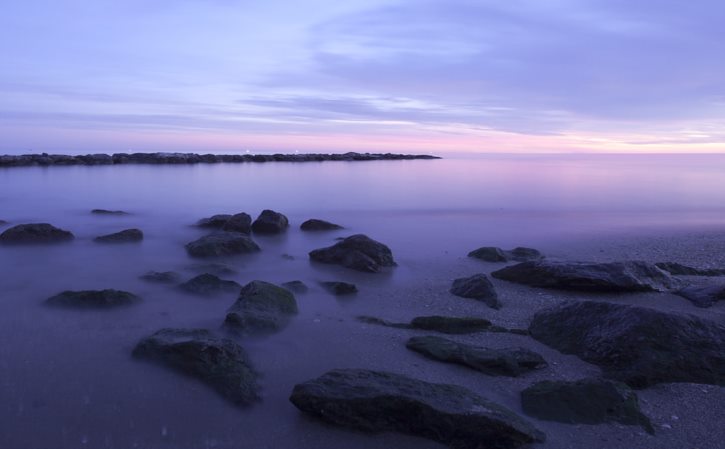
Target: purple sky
454	75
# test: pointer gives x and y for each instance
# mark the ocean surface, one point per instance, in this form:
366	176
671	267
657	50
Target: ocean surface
67	379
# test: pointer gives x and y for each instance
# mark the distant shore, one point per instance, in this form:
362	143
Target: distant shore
45	159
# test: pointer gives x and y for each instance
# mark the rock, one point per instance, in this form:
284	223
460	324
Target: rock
93	299
375	401
339	288
270	222
161	277
683	270
220	363
319	225
511	362
454	325
125	236
703	296
589	276
214	268
261	307
208	285
358	252
35	233
295	286
239	223
493	254
108	212
477	287
215	221
586	401
635	345
222	244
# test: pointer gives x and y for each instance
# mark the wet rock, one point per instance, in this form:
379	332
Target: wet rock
239	223
454	325
586	401
261	307
375	401
511	362
295	286
630	276
35	233
683	270
493	254
108	212
222	244
477	287
93	299
635	345
218	269
358	252
270	222
125	236
208	285
705	296
339	288
215	221
161	277
220	363
319	225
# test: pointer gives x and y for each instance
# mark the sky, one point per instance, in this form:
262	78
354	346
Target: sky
80	76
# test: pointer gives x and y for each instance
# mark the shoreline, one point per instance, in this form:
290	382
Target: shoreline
45	159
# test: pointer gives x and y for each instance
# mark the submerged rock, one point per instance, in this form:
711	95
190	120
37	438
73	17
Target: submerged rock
339	288
108	212
493	254
586	401
443	324
636	345
261	307
511	362
358	252
477	287
219	269
222	244
208	285
295	286
270	222
238	223
220	363
319	225
93	299
161	277
630	276
35	233
683	270
375	401
125	236
3	222
215	221
703	296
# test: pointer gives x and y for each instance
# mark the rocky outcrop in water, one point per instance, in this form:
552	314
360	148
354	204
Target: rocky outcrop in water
220	363
683	270
270	222
209	285
511	362
222	244
586	401
319	225
477	287
590	276
494	254
125	236
241	222
442	324
35	233
215	221
375	401
295	286
358	252
338	288
161	277
108	212
636	345
92	299
703	296
261	307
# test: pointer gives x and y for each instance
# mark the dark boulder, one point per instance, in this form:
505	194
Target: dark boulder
222	244
339	288
358	252
270	222
295	286
375	401
215	221
161	277
208	285
319	225
511	362
636	345
239	223
683	270
454	325
589	276
586	401
93	299
108	212
703	296
261	307
35	233
477	287
125	236
220	363
493	254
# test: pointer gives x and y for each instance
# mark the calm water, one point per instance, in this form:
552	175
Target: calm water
66	377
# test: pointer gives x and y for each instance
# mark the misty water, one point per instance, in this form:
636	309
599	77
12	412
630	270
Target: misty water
67	379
